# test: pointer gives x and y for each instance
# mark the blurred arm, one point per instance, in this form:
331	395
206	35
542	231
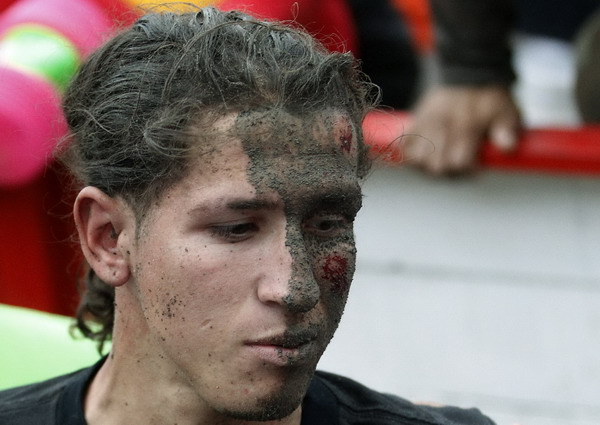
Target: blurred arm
474	101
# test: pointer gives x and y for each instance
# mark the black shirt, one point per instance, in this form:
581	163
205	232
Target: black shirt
330	400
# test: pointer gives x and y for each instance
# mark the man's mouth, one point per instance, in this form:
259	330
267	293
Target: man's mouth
291	346
291	338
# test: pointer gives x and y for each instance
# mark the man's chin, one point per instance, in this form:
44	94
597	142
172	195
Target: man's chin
274	408
277	405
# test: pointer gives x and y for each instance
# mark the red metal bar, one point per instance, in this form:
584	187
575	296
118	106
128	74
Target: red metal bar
550	150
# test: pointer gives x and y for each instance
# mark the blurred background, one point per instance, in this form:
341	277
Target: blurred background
481	292
478	284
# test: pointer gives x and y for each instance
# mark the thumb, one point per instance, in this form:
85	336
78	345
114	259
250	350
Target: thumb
504	136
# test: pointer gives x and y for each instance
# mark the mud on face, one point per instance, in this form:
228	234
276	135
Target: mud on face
310	161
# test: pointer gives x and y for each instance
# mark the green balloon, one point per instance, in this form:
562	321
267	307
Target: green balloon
41	51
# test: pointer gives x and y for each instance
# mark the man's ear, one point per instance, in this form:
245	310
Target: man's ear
104	229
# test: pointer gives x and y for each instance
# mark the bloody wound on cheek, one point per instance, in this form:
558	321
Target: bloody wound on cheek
335	271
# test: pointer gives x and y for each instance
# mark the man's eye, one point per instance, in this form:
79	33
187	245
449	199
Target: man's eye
234	232
328	225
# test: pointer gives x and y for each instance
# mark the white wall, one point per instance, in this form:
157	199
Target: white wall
478	292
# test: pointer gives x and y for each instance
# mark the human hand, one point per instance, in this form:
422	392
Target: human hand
450	123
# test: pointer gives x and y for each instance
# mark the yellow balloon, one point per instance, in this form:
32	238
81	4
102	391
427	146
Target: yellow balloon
173	7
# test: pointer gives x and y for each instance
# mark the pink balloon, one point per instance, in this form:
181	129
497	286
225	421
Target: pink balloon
83	22
31	123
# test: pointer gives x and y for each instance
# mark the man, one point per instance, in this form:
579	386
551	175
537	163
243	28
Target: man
220	158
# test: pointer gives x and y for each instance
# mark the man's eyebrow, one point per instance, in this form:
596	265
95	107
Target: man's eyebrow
251	204
345	197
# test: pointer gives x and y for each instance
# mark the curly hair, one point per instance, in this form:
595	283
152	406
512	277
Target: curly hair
131	107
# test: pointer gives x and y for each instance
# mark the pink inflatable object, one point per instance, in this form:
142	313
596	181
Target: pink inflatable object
83	22
31	122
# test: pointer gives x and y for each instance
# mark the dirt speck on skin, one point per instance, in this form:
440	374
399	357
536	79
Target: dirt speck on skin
171	306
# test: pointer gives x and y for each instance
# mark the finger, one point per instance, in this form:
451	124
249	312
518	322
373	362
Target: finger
416	149
434	161
505	128
423	142
461	154
504	136
409	148
456	152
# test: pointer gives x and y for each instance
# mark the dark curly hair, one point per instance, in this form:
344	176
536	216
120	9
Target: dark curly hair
133	103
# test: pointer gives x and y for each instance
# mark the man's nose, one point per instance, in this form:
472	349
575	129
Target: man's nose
288	278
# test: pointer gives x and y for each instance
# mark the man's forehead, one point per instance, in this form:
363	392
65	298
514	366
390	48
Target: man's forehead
280	131
276	117
279	150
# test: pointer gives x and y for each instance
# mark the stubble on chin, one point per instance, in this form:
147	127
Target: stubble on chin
281	404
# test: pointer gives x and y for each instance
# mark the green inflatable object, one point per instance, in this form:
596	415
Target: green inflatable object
35	346
41	51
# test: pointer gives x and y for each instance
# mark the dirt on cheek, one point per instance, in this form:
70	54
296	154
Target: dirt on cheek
173	304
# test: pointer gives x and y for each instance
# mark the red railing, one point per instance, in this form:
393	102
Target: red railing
549	150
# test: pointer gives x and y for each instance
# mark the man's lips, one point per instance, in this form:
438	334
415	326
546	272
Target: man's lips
288	339
292	347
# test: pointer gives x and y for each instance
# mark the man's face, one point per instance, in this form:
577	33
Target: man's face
242	270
